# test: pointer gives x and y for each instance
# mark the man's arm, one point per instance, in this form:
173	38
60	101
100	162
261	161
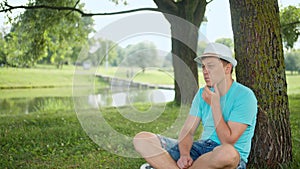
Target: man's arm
186	139
229	132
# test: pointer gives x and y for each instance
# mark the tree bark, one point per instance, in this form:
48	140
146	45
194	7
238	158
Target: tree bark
184	49
185	68
259	52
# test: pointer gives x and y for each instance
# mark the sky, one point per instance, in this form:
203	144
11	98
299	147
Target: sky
217	13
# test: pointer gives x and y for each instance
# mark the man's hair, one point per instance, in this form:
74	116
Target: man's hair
225	62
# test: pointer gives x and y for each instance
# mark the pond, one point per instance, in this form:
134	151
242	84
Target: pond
15	101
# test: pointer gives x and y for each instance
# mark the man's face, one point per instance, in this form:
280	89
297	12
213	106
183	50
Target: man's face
213	70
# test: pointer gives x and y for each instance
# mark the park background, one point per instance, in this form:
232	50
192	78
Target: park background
39	127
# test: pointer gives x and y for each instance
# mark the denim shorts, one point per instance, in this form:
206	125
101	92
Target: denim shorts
199	148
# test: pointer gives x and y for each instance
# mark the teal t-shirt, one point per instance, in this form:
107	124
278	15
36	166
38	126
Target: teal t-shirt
239	104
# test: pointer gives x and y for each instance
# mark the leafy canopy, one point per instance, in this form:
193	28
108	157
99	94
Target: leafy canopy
290	25
45	33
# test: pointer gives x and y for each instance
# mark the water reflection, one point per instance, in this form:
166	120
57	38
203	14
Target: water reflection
106	98
26	105
102	98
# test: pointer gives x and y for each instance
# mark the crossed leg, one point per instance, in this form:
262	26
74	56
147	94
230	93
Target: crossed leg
222	157
149	146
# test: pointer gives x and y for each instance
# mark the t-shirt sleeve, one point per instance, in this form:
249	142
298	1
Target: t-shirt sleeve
245	109
195	109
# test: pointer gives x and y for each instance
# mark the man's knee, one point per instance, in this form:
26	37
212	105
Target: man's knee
143	140
227	155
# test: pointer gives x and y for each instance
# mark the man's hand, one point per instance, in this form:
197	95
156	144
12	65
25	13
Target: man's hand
184	162
211	97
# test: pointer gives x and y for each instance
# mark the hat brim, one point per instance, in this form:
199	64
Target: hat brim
210	55
204	55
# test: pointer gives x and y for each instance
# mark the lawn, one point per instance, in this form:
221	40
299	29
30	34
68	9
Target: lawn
55	139
45	76
293	84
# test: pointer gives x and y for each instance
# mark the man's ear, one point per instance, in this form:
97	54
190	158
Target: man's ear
228	68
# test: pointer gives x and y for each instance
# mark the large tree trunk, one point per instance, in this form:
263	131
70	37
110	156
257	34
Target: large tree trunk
184	44
259	52
185	68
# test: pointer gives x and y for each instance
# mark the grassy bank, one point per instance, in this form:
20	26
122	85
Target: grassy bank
41	76
55	139
294	106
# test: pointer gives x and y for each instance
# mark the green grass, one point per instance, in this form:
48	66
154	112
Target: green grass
42	77
293	84
45	76
294	106
55	139
35	92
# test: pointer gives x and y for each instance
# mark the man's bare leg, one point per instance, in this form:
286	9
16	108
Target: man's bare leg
224	156
149	146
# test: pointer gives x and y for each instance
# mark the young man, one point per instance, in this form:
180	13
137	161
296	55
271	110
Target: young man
227	111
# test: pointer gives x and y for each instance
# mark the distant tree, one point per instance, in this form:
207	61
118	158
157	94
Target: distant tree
201	47
167	61
143	54
292	61
226	41
102	52
290	25
120	54
2	50
13	50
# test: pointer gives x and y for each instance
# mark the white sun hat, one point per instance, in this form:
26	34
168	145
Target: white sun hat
217	50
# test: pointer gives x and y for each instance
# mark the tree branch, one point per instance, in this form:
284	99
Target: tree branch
76	3
83	14
167	5
209	1
73	7
290	24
